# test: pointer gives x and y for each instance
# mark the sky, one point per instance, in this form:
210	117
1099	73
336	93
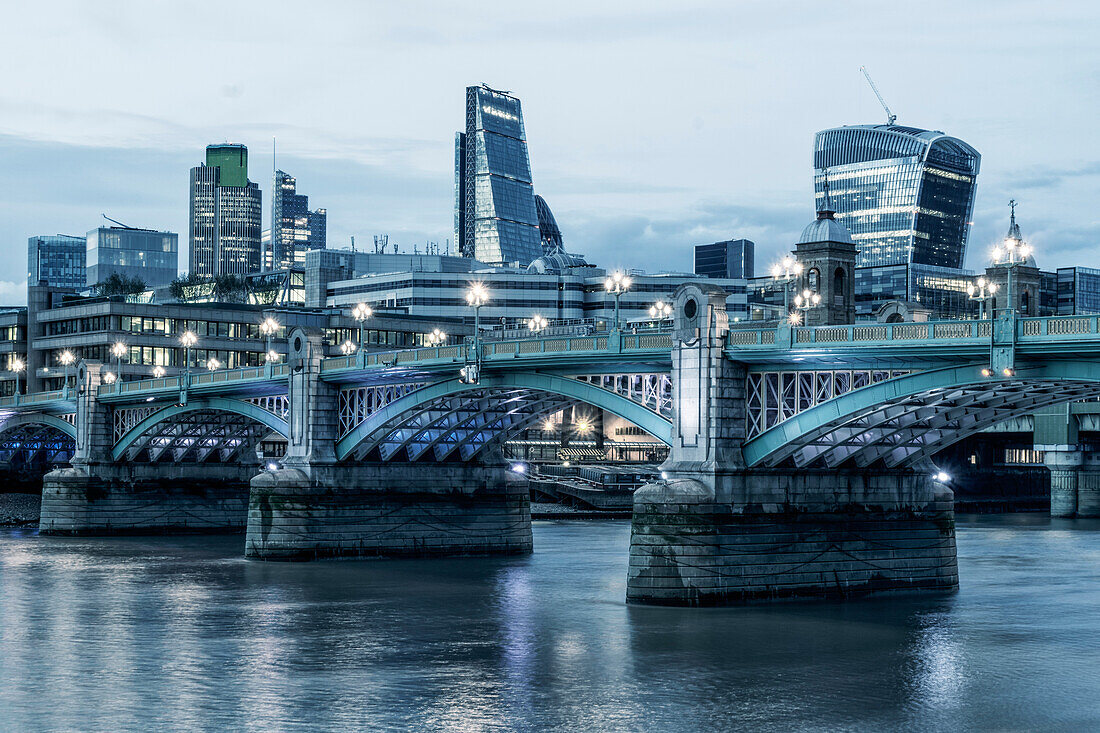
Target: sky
651	127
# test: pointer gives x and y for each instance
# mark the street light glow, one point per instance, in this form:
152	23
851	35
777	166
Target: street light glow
158	371
269	326
619	282
660	309
109	377
18	365
537	323
188	338
118	349
361	312
477	295
66	357
348	347
213	364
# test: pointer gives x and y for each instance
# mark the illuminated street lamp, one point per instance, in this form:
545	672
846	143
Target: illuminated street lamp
617	284
477	296
803	302
360	313
348	347
158	371
17	366
537	323
272	356
785	273
436	337
109	378
187	340
213	364
118	350
269	327
660	310
983	292
66	358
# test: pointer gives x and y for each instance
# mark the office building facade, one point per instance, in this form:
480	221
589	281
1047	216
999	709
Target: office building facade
905	194
146	254
495	216
733	258
294	228
225	215
58	260
1078	291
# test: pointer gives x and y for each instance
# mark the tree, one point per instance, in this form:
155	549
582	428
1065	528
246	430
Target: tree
116	284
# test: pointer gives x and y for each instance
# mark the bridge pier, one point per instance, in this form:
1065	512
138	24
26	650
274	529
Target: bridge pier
316	507
1074	480
97	495
715	531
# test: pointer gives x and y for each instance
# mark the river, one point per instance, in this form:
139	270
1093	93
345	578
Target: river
183	634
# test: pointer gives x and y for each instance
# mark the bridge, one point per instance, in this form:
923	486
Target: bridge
800	459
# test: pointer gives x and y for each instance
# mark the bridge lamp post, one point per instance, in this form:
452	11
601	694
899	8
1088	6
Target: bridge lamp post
360	313
158	371
66	358
269	327
660	310
348	347
118	350
805	301
436	337
187	340
537	323
477	296
109	378
17	366
785	273
1011	255
213	364
981	292
617	284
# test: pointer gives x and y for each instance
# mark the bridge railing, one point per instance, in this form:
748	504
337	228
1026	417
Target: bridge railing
34	398
594	343
1057	326
197	379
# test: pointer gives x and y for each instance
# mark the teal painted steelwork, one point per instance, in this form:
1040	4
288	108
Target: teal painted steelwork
38	418
372	430
220	404
813	423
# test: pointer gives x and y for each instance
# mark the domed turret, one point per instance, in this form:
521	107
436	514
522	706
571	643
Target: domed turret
825	228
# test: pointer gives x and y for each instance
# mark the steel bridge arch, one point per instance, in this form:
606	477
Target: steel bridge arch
904	420
386	420
38	418
216	404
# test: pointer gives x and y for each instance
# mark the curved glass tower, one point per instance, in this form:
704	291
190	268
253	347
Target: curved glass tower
495	218
905	194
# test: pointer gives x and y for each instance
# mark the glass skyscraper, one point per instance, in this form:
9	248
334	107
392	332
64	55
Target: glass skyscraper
225	218
146	254
905	194
294	228
57	260
733	258
495	217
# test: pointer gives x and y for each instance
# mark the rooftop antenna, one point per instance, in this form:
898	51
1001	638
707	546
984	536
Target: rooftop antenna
890	115
352	242
828	204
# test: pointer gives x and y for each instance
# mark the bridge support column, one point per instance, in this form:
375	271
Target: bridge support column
714	531
314	507
98	496
1074	480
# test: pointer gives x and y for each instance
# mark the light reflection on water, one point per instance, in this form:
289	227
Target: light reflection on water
124	634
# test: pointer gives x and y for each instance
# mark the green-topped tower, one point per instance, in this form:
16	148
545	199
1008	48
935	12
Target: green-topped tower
225	218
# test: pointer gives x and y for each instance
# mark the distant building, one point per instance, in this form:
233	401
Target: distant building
733	258
225	215
495	217
294	228
146	254
1078	291
57	260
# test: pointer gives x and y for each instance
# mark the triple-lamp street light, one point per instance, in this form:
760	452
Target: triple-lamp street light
617	284
983	291
804	301
1011	255
537	323
187	340
785	273
269	327
118	350
17	365
360	313
66	358
660	310
348	347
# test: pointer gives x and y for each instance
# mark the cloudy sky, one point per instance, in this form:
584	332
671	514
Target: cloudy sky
651	126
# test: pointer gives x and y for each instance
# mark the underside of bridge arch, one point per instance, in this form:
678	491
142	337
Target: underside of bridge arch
201	431
30	445
452	421
904	421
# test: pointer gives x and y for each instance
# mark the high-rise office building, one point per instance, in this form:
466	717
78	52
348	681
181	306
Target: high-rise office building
145	254
225	214
495	217
56	260
294	228
733	258
905	194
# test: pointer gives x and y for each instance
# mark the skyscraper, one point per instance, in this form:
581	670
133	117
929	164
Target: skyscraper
733	258
58	260
225	214
294	228
495	217
146	254
905	194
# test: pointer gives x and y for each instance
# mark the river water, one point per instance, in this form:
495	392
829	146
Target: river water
183	634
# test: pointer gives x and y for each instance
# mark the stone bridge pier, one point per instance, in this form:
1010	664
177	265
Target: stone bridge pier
99	494
1074	467
715	531
315	506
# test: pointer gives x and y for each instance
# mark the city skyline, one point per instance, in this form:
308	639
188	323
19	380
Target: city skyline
637	183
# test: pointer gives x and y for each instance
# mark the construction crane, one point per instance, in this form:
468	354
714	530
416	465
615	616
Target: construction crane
890	115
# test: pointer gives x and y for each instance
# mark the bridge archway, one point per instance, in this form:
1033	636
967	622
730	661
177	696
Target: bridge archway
904	420
211	429
36	438
451	418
